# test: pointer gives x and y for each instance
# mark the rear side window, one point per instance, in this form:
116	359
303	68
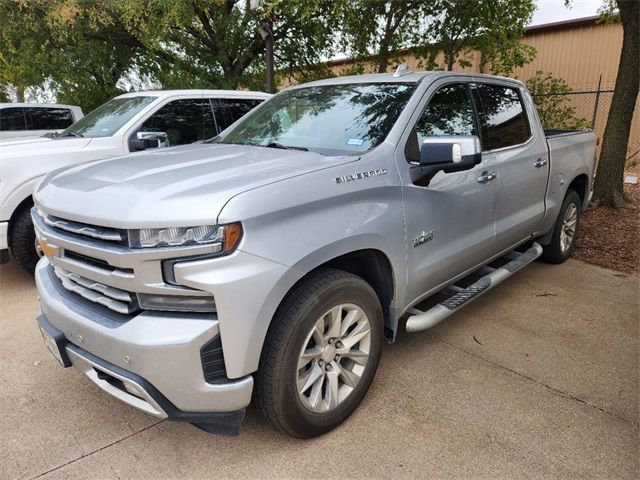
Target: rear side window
12	119
184	121
40	118
503	117
229	110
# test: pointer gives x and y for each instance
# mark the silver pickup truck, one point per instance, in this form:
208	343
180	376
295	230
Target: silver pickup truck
275	259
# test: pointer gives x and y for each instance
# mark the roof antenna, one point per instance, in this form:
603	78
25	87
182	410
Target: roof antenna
401	70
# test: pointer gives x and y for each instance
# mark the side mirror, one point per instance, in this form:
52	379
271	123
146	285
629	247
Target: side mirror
450	153
145	140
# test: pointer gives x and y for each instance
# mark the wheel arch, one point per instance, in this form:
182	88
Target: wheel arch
26	203
580	184
375	268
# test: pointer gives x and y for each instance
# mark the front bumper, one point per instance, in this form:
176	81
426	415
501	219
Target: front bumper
158	354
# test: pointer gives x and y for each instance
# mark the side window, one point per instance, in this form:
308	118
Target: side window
504	119
41	118
229	110
12	119
184	121
449	112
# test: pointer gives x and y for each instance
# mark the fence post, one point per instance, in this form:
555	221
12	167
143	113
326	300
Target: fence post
595	107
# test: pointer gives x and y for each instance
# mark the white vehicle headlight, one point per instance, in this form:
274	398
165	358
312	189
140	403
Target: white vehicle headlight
223	238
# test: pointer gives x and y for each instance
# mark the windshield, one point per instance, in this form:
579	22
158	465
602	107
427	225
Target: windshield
109	117
331	120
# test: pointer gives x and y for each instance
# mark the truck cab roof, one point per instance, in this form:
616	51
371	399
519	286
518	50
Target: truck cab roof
407	76
204	92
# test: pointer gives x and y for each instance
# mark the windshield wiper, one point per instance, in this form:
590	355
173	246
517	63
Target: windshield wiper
284	147
54	135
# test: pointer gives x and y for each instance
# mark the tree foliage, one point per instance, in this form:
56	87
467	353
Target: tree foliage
553	101
431	28
492	27
78	48
217	43
89	50
381	27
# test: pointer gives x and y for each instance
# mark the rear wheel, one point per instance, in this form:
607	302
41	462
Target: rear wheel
565	230
22	240
321	354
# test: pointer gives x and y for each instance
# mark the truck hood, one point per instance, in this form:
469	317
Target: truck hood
181	186
30	146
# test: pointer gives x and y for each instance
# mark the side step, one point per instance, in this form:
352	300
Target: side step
461	296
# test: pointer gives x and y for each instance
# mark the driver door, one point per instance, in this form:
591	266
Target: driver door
450	223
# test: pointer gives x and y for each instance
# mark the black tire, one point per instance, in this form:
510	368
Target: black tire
553	252
276	387
22	240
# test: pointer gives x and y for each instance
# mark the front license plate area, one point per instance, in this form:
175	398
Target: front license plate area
54	340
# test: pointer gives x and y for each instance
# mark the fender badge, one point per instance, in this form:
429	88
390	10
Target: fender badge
424	237
361	175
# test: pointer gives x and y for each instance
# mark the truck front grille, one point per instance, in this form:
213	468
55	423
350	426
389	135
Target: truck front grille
111	235
113	298
97	264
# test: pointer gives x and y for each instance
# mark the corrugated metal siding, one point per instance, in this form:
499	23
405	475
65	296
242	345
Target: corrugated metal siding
579	55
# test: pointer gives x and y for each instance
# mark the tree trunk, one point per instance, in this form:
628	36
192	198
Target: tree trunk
608	189
20	94
383	62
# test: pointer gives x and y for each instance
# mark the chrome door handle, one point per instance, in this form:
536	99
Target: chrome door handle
486	177
540	163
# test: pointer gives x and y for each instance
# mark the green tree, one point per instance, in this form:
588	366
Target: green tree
78	48
609	188
552	98
454	28
381	27
217	44
492	27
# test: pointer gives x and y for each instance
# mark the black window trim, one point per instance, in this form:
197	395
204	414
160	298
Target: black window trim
476	115
518	90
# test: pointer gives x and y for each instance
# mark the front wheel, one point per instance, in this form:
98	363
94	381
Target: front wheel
321	354
565	230
23	243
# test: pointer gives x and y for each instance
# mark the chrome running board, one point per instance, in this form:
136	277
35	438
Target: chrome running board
460	297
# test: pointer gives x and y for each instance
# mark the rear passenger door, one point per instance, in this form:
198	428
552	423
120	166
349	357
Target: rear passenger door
521	161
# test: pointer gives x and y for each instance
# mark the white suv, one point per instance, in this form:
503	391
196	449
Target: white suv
33	119
127	123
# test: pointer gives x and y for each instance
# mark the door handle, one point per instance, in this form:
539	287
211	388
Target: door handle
486	177
540	163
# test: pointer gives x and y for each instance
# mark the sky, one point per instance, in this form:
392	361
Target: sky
549	11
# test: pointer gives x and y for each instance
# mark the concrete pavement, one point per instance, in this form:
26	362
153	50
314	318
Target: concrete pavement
537	379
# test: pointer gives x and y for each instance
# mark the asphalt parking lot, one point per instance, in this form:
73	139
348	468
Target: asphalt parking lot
538	378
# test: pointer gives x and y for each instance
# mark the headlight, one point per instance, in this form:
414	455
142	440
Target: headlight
224	238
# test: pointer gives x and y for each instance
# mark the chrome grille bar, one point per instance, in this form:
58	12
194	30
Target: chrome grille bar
113	298
101	233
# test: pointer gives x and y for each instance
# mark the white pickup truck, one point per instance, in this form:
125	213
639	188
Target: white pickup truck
275	259
127	123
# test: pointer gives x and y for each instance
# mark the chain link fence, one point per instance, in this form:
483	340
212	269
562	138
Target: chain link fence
587	109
